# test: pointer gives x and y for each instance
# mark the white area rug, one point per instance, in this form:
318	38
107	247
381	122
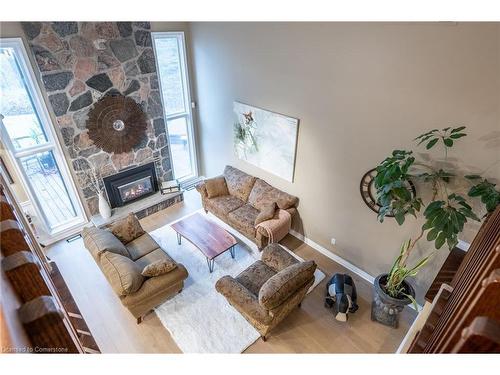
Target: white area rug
199	319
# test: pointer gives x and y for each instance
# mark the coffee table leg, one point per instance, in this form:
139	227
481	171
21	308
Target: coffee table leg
211	263
231	250
178	239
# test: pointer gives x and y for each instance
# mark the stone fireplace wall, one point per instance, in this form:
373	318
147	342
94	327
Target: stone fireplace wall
79	62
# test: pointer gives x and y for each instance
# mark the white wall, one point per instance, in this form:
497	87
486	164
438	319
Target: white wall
360	90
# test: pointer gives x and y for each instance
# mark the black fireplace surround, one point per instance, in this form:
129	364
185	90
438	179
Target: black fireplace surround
131	185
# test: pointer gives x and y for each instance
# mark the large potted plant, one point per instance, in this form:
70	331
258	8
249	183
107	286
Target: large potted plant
446	212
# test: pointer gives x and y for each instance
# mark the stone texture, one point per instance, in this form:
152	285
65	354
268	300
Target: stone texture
165	164
164	152
133	87
31	29
155	108
45	60
125	28
81	46
57	81
143	38
81	164
67	135
51	41
107	30
99	159
80	118
77	88
123	49
161	141
146	61
85	68
131	69
65	28
159	126
122	160
64	120
117	76
59	103
85	153
65	59
81	101
90	51
153	82
142	155
99	82
143	25
106	60
82	140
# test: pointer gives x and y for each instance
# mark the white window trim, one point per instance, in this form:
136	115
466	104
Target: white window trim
52	144
188	102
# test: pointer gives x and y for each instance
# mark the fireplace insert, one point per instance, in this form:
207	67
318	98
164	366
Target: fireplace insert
131	184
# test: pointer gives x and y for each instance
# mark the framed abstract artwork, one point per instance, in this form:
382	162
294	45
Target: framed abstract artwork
266	139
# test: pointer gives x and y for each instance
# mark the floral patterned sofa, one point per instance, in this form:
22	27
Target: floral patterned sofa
241	200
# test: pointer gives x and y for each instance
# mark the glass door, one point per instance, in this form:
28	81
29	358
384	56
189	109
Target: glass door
172	69
28	136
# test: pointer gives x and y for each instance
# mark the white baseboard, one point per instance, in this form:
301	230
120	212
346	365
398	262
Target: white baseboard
351	267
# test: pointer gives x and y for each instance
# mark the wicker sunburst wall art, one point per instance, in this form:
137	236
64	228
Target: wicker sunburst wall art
116	124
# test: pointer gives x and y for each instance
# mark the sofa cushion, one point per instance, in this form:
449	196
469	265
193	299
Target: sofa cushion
239	184
216	187
267	213
255	276
222	206
281	286
127	229
154	256
263	194
243	219
160	267
276	257
141	246
122	273
98	240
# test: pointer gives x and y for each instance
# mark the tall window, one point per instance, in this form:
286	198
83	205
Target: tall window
174	84
28	136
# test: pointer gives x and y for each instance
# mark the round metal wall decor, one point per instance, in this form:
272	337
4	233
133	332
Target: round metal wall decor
116	124
369	192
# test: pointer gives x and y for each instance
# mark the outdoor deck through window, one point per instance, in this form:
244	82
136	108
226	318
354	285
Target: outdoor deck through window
26	133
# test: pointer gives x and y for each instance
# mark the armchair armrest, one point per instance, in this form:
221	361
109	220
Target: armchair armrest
202	189
277	258
242	299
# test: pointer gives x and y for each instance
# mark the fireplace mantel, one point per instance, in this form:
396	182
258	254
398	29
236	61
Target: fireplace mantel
140	208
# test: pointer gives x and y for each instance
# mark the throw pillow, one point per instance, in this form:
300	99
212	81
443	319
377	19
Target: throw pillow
216	187
158	268
123	274
127	229
267	213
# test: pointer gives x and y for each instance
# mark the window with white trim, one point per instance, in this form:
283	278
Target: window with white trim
172	69
28	135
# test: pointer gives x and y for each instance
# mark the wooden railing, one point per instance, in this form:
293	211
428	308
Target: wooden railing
31	299
466	317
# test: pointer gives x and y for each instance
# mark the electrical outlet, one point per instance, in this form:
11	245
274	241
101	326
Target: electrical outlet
333	241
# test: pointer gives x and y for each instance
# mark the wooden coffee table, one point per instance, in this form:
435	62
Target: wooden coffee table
207	236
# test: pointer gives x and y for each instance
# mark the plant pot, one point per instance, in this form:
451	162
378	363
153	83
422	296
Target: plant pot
104	208
386	309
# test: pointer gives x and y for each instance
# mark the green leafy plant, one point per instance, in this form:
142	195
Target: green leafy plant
445	213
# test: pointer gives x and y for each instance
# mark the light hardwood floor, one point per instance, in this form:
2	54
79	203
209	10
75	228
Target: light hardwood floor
310	329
